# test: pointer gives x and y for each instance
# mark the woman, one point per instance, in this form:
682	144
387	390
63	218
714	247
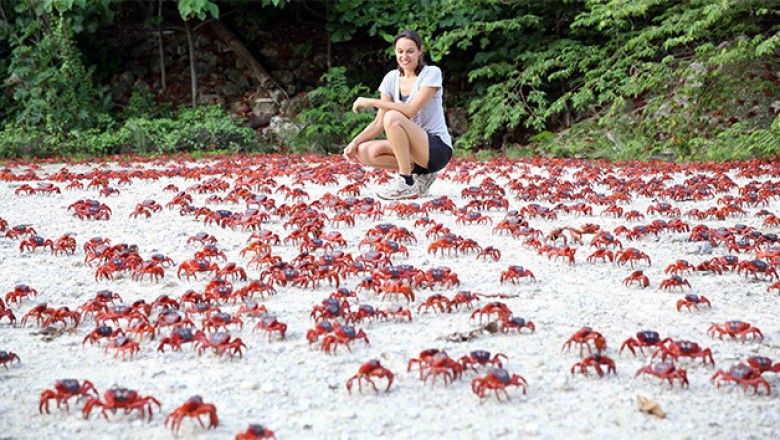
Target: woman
410	113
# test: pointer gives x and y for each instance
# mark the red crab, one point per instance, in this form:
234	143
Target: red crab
193	407
644	338
674	281
65	244
271	325
744	375
756	267
596	362
497	379
630	256
637	277
663	209
583	337
473	217
63	390
601	254
121	398
322	328
7	313
215	321
489	309
192	267
676	349
179	336
256	432
464	297
763	364
369	370
437	301
516	323
342	335
693	300
221	343
441	364
102	332
396	289
491	252
515	273
734	329
424	359
123	344
6	357
666	370
679	266
20	291
397	312
20	230
481	358
253	309
34	242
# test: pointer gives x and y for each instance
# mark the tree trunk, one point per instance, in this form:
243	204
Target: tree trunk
193	77
256	70
163	84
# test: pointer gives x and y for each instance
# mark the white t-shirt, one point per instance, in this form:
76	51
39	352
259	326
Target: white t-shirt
430	117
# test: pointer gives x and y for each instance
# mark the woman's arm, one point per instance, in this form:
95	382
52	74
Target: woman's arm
371	131
408	109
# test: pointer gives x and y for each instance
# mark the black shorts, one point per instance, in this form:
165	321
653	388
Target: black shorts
439	155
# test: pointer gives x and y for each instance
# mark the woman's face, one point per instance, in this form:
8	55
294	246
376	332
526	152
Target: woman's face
407	53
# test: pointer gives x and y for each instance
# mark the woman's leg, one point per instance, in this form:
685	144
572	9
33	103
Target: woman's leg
377	154
408	141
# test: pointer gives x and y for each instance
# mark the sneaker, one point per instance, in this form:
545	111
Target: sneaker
424	182
398	190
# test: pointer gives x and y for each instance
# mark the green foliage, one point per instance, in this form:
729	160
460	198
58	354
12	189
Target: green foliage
199	9
327	121
51	86
143	105
544	65
204	129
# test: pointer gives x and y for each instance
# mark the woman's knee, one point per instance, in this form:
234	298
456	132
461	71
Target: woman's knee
393	118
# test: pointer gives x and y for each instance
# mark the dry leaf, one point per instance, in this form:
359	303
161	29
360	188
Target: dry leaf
650	407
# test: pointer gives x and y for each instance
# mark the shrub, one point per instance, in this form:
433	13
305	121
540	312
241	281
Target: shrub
200	129
327	121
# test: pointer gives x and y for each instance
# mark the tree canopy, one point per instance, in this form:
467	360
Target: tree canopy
640	76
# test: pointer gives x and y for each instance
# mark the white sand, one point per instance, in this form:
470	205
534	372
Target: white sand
299	392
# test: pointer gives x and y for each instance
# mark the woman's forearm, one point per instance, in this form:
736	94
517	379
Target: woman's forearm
371	131
404	108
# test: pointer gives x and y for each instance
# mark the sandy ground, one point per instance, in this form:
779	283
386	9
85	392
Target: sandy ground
298	391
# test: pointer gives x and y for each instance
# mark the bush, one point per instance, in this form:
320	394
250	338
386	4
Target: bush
200	129
327	121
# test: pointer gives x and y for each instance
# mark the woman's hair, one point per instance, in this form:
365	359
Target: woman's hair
415	37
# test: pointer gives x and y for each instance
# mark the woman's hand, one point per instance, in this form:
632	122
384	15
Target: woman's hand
350	152
362	102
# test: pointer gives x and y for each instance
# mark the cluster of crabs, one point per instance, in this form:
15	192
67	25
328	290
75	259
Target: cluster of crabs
128	400
357	250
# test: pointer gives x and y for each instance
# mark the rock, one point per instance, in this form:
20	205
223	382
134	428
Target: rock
702	248
211	99
282	127
292	106
457	120
264	106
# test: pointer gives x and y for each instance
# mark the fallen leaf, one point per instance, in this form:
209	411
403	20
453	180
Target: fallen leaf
650	407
